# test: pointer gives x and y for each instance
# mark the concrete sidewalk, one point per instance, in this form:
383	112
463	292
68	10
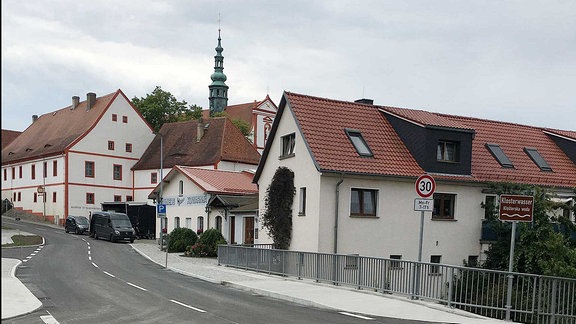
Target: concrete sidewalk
18	300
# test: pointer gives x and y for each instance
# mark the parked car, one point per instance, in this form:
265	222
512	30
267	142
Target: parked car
76	224
111	226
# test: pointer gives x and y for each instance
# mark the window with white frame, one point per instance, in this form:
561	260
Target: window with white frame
288	143
302	204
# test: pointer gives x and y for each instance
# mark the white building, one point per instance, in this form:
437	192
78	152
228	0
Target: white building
76	157
355	167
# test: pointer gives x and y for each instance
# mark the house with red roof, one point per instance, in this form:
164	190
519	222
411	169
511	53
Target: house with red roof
355	165
200	199
8	136
71	159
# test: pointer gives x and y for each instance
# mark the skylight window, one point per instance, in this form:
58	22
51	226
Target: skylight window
537	158
499	155
359	143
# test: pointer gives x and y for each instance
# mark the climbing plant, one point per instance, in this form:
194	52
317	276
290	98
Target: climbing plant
277	217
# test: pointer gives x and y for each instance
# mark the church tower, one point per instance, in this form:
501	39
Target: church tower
218	89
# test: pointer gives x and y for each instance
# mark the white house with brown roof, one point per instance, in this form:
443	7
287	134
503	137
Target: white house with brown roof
355	165
76	157
200	199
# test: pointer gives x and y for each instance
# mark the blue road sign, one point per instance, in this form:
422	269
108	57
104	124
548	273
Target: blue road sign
161	210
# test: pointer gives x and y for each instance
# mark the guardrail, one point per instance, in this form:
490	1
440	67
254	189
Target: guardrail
535	299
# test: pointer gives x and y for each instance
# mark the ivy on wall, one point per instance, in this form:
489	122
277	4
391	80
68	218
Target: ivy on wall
277	217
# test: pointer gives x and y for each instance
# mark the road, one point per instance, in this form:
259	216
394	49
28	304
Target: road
83	280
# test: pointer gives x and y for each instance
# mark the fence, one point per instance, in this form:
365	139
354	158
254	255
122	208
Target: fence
535	299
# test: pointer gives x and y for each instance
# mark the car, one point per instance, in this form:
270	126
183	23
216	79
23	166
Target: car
111	226
76	224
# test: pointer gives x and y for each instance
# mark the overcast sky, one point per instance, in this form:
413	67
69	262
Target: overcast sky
512	61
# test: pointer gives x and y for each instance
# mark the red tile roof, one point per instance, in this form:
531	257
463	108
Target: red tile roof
322	123
53	132
222	141
8	136
220	182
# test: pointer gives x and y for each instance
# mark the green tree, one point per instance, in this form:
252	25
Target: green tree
277	217
161	107
541	248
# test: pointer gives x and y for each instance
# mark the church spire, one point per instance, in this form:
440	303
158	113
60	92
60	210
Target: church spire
218	88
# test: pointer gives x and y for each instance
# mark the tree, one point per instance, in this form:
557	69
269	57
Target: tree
277	217
161	107
547	246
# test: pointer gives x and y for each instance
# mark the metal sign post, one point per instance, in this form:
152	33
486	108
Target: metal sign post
514	208
425	187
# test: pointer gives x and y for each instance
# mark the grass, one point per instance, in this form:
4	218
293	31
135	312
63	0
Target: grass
24	240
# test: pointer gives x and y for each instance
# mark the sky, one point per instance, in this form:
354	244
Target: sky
512	61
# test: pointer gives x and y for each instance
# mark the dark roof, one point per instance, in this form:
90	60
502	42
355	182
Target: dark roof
236	203
53	132
222	141
8	136
322	123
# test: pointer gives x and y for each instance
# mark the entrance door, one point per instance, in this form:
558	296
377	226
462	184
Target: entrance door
248	230
232	229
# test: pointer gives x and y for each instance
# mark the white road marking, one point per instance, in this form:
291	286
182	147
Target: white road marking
133	285
95	265
188	306
357	316
108	273
49	319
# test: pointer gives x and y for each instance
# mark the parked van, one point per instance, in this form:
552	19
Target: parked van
111	226
76	224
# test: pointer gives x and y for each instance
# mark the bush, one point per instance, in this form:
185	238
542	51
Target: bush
180	238
207	245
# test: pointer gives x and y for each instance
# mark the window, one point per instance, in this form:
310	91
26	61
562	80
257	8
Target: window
395	264
114	117
20	196
54	197
13	173
125	119
89	169
363	202
472	261
153	177
434	269
359	143
176	222
489	207
129	198
302	205
5	174
538	159
111	145
188	222
117	198
33	171
180	187
35	197
288	142
200	224
447	151
443	206
499	155
45	169
55	168
117	172
20	172
90	198
219	223
128	147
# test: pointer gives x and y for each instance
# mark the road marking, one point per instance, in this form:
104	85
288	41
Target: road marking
133	285
108	273
354	315
95	265
188	306
49	319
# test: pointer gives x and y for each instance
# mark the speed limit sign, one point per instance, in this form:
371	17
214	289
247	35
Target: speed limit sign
425	186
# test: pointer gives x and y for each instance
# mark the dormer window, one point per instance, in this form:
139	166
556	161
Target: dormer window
447	151
359	143
537	158
499	155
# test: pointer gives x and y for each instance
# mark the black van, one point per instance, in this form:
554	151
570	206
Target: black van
76	224
111	226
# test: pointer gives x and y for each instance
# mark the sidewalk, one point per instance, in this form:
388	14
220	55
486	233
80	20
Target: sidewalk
304	292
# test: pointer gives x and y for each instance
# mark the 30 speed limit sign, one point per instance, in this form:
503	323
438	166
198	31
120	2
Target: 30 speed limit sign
425	186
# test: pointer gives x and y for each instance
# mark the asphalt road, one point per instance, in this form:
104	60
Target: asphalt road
84	280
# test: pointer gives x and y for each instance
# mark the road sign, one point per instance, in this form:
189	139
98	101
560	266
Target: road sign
423	204
516	208
161	210
425	186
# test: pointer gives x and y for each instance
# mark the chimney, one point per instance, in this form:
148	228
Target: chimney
365	101
34	118
199	130
75	102
90	100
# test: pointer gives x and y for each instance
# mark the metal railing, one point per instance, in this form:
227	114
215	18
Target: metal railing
535	299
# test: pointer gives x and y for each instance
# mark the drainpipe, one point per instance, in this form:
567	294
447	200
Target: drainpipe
336	213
